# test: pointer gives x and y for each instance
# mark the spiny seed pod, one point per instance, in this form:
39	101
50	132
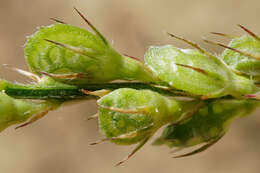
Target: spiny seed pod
14	111
243	54
76	56
208	125
196	71
128	116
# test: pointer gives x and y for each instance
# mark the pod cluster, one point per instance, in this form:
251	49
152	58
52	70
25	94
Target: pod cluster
196	94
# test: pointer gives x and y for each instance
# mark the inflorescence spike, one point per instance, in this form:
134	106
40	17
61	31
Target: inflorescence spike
92	26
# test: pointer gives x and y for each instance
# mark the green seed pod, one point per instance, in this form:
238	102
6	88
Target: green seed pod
208	125
197	72
14	111
243	54
128	116
76	56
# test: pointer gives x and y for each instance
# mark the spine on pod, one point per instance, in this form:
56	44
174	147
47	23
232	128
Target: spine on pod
207	126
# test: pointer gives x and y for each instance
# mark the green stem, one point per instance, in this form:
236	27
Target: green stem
73	92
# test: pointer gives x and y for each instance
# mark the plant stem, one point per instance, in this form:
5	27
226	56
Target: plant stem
24	92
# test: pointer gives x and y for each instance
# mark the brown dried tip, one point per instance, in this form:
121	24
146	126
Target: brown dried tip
191	43
233	49
224	35
100	141
249	32
57	20
92	26
140	145
193	68
35	118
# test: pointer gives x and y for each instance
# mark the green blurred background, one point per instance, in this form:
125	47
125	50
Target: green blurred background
59	143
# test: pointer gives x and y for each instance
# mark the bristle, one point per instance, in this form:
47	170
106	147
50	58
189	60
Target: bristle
25	73
64	76
224	35
193	68
249	32
93	117
233	49
72	48
125	136
57	20
35	118
126	111
192	44
203	148
92	26
140	145
99	141
132	57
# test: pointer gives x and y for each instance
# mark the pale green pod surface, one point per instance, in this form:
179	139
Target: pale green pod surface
195	72
210	123
14	111
80	55
245	64
127	116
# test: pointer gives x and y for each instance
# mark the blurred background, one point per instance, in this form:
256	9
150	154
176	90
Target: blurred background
59	143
